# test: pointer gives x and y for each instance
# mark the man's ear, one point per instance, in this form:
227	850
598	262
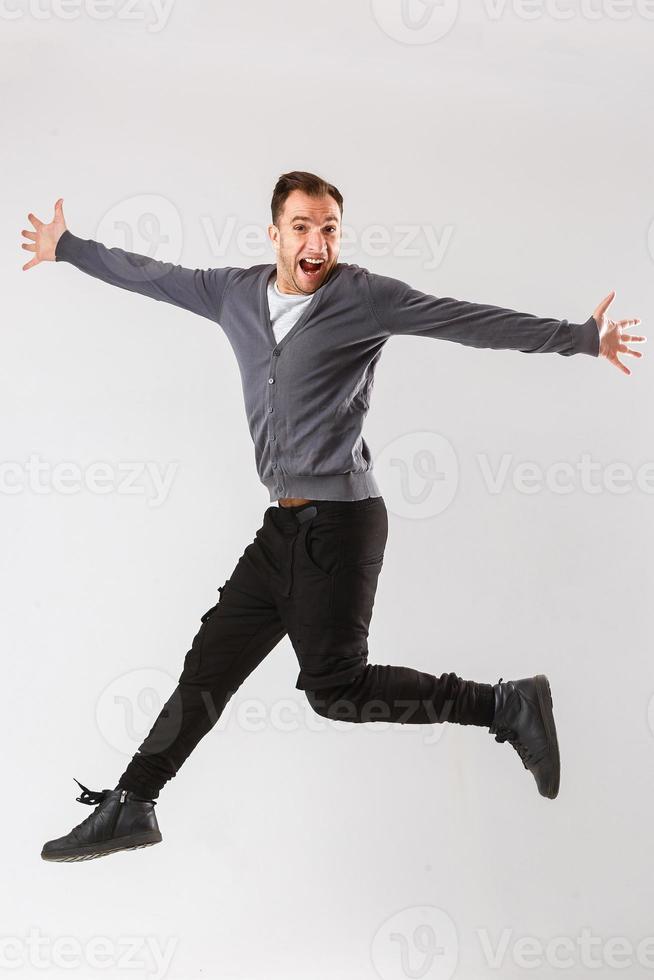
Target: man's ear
273	235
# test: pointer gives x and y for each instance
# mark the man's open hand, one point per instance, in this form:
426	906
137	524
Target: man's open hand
45	237
613	340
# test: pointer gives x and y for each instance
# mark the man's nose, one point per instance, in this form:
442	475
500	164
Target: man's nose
316	243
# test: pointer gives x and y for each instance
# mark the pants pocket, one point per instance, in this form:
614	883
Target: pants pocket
317	558
193	657
353	594
205	616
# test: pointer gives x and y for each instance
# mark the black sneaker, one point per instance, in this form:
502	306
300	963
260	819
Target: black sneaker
523	717
121	822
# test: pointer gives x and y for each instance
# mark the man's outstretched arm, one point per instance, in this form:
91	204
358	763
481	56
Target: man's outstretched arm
198	290
401	309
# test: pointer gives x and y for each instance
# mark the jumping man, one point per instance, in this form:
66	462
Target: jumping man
307	333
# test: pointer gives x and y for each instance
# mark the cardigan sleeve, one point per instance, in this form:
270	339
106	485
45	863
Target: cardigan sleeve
400	309
200	291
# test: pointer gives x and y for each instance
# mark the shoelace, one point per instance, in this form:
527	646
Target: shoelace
90	796
93	796
508	735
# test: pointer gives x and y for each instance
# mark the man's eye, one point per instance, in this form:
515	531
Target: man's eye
298	227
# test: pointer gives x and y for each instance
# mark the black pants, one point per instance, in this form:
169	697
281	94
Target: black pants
311	572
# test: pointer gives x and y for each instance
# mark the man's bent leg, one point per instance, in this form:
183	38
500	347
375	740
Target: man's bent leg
339	558
406	696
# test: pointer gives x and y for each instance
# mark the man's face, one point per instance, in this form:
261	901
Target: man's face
308	228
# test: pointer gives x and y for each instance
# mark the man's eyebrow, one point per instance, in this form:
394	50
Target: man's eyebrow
302	217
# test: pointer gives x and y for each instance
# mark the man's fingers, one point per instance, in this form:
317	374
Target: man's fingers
619	364
625	350
29	265
29	234
30	248
632	338
606	302
628	323
35	221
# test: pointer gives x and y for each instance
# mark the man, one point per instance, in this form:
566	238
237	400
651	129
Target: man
307	333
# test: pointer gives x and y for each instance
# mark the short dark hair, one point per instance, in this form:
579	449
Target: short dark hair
300	180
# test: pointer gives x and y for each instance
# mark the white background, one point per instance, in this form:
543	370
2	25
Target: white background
286	852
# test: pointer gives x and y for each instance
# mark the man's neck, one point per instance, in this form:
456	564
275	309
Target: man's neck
288	293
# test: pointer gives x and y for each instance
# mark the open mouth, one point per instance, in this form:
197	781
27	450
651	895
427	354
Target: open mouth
312	267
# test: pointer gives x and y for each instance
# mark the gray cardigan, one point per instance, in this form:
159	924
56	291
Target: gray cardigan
306	397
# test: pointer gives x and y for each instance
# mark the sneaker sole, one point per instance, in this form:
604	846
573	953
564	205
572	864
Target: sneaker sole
104	848
546	705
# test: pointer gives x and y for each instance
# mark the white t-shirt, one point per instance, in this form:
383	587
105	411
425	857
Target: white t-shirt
285	309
